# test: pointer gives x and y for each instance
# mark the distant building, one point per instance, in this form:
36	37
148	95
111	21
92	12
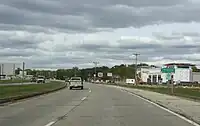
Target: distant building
149	75
7	69
182	73
179	65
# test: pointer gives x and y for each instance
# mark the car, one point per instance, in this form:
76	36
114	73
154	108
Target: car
75	82
33	79
40	79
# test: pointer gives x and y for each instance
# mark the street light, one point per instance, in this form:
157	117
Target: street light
136	58
95	71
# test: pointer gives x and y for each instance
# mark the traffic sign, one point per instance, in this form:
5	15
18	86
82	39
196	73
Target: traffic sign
109	74
168	70
100	74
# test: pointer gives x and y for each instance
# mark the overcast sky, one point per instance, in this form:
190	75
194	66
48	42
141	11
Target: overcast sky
68	33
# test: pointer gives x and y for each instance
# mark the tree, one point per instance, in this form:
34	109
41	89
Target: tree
122	71
195	69
17	71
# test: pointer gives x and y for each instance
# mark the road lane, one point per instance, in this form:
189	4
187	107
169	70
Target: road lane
41	110
100	106
107	106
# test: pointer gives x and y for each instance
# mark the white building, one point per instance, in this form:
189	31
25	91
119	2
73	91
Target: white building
196	77
150	73
7	68
183	73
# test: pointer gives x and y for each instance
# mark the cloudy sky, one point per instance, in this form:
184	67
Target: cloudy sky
68	33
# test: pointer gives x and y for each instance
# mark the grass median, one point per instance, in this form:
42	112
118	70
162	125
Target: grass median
191	93
9	91
13	81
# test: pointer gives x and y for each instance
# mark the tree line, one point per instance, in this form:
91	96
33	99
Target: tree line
122	71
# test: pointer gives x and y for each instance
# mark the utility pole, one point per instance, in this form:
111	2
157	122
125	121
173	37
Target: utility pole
95	71
14	69
23	67
0	72
75	71
136	58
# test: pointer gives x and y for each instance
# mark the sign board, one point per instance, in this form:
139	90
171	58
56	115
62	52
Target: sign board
109	74
168	70
100	74
130	81
21	73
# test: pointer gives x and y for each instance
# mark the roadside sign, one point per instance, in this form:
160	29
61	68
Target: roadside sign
100	74
168	70
109	74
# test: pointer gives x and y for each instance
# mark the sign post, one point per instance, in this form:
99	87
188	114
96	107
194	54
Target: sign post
169	77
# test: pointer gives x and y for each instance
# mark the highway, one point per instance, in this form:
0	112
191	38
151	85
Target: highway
96	105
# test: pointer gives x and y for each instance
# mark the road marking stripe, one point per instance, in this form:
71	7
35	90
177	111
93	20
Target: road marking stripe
159	106
50	124
83	98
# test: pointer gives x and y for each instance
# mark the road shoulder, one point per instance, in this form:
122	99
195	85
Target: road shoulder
187	108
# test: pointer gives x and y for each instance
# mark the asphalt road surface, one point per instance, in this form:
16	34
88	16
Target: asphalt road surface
96	105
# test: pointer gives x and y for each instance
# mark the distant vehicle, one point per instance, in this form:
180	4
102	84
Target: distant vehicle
66	79
40	79
33	79
75	82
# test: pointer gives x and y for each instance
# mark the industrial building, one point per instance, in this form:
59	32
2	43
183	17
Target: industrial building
178	72
7	69
196	77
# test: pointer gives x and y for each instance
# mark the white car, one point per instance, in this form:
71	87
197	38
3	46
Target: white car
75	82
40	79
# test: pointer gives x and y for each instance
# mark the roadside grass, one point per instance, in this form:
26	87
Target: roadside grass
13	81
8	91
181	91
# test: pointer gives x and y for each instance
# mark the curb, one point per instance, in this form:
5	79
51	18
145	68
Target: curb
17	98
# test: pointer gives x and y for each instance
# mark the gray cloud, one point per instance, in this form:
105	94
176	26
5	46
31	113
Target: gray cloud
27	27
19	44
18	53
186	46
138	45
91	14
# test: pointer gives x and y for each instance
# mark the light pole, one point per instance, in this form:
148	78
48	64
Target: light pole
95	71
136	58
75	68
23	68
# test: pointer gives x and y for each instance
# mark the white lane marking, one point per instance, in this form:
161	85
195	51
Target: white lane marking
83	98
174	113
53	122
50	124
